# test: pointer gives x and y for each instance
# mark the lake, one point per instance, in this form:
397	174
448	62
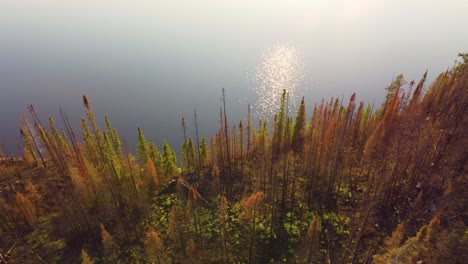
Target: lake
149	62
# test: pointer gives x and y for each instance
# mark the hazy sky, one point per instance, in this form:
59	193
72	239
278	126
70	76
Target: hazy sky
148	62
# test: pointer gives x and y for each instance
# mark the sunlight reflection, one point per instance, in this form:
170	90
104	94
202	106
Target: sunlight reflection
280	69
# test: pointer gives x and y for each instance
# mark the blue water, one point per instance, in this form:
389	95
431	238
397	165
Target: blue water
148	63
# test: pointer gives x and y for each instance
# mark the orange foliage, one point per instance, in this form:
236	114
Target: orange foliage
172	229
85	258
29	158
314	228
26	207
154	245
153	172
31	192
250	205
110	247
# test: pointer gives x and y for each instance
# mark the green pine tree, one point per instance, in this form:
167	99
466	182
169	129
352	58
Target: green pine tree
142	148
299	128
168	160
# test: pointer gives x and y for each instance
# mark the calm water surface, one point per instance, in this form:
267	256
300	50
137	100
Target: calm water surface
148	62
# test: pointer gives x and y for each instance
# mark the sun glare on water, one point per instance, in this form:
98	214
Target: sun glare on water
280	69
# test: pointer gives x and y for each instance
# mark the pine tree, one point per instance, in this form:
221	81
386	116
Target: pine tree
96	132
252	211
249	129
395	86
28	157
142	147
241	140
85	258
418	91
173	229
189	154
299	128
287	135
29	148
90	143
154	246
278	133
203	151
153	174
114	138
168	160
58	142
26	208
111	250
394	241
154	155
30	134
